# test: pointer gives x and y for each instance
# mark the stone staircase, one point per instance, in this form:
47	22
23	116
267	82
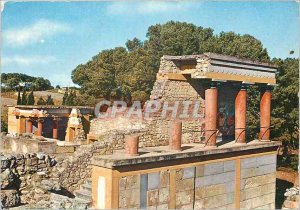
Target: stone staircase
85	191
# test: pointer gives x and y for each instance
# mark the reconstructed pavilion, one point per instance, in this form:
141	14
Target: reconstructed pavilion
56	122
196	174
232	76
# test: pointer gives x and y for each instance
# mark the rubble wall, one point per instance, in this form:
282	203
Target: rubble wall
155	131
24	177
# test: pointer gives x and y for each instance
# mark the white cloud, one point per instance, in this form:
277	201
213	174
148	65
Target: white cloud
40	30
2	5
27	61
147	7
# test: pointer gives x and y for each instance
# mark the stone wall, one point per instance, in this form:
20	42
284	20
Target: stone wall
208	185
258	180
215	185
24	178
71	172
145	191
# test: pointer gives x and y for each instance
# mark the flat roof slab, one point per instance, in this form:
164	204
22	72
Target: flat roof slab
162	153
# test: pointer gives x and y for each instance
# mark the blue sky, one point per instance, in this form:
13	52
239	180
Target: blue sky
50	39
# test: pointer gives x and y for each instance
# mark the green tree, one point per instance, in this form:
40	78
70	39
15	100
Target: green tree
285	109
49	100
24	97
30	98
41	101
118	73
65	98
19	101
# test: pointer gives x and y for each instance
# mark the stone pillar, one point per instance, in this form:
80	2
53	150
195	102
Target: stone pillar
175	135
55	128
240	115
28	125
211	108
265	114
132	145
40	127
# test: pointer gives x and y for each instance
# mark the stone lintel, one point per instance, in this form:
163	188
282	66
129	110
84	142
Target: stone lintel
216	57
197	152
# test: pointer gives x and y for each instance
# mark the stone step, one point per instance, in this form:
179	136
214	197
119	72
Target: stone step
83	194
87	187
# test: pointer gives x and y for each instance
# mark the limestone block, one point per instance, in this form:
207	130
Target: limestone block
188	173
153	181
267	159
248	172
230	198
179	174
229	206
163	195
229	165
266	169
215	179
129	198
164	178
184	197
213	168
209	191
248	162
268	188
230	186
251	193
129	182
258	201
185	184
152	197
188	206
200	171
258	180
163	206
211	202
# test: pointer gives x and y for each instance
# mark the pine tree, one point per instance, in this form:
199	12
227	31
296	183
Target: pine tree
41	101
19	101
49	100
65	98
24	97
30	99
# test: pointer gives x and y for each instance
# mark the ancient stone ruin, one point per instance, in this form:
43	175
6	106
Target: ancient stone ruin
151	161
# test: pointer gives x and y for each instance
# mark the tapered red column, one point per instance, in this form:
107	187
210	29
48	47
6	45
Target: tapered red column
28	125
265	114
132	145
240	115
175	135
40	127
54	129
211	108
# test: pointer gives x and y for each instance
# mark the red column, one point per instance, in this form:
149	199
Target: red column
211	108
240	115
132	145
40	127
28	125
265	114
175	135
54	130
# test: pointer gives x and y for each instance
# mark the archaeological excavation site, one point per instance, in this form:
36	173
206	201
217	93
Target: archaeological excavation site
67	157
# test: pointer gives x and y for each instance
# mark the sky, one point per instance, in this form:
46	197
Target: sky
50	39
